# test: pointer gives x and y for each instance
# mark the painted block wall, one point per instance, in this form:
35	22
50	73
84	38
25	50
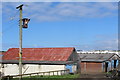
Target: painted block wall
13	69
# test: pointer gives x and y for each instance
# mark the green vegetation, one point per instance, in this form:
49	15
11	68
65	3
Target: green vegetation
58	76
55	77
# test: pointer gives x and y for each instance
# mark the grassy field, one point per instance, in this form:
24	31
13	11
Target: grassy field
56	77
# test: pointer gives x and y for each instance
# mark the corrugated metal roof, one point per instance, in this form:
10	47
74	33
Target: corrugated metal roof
37	62
39	54
98	57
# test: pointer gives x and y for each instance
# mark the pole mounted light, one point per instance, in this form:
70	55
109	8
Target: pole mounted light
24	25
25	22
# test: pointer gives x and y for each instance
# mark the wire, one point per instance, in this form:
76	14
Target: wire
12	18
11	25
8	28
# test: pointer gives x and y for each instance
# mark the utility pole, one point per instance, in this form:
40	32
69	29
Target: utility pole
24	25
20	43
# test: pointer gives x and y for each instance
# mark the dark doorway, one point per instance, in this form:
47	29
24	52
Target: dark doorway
115	61
106	66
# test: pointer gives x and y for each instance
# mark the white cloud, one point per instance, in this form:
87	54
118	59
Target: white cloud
99	45
60	1
61	11
108	44
101	42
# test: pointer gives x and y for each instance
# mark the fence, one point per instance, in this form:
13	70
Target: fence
39	74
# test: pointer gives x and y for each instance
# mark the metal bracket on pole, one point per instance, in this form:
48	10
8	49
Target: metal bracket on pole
19	6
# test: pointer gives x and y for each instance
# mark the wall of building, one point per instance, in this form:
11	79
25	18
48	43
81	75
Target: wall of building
118	67
91	67
0	66
13	69
0	62
72	68
75	57
0	69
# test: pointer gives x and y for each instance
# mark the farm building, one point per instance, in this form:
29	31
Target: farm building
1	54
0	62
98	62
40	60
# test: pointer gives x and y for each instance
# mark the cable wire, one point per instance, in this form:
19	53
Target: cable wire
9	27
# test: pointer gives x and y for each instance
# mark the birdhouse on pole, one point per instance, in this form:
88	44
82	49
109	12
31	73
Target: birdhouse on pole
25	22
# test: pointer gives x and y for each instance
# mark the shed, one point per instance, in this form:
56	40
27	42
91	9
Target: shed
97	62
1	54
40	59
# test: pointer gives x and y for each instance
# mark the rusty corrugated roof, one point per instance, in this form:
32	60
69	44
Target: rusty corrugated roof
40	54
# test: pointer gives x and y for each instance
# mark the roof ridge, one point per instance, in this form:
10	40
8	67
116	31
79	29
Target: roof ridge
42	47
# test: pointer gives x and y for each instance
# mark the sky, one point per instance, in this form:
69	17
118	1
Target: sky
83	25
60	0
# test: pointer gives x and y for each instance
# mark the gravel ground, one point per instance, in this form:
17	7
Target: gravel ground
96	75
93	76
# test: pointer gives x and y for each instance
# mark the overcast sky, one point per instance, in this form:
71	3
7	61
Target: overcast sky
83	25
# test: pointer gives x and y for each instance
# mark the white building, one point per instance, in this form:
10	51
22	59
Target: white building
40	60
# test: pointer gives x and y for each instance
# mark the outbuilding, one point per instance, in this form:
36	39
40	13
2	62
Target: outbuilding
40	60
98	62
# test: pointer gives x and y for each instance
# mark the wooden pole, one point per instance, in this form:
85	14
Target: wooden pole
20	43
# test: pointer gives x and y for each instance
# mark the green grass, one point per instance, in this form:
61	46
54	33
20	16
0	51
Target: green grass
55	77
59	76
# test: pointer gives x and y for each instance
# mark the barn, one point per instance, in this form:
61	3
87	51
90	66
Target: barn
1	54
98	62
0	62
40	60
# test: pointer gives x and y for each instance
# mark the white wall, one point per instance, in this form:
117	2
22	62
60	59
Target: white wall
74	68
10	69
13	69
0	67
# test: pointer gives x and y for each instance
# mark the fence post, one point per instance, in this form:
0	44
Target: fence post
61	72
53	73
57	72
64	71
49	73
37	75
